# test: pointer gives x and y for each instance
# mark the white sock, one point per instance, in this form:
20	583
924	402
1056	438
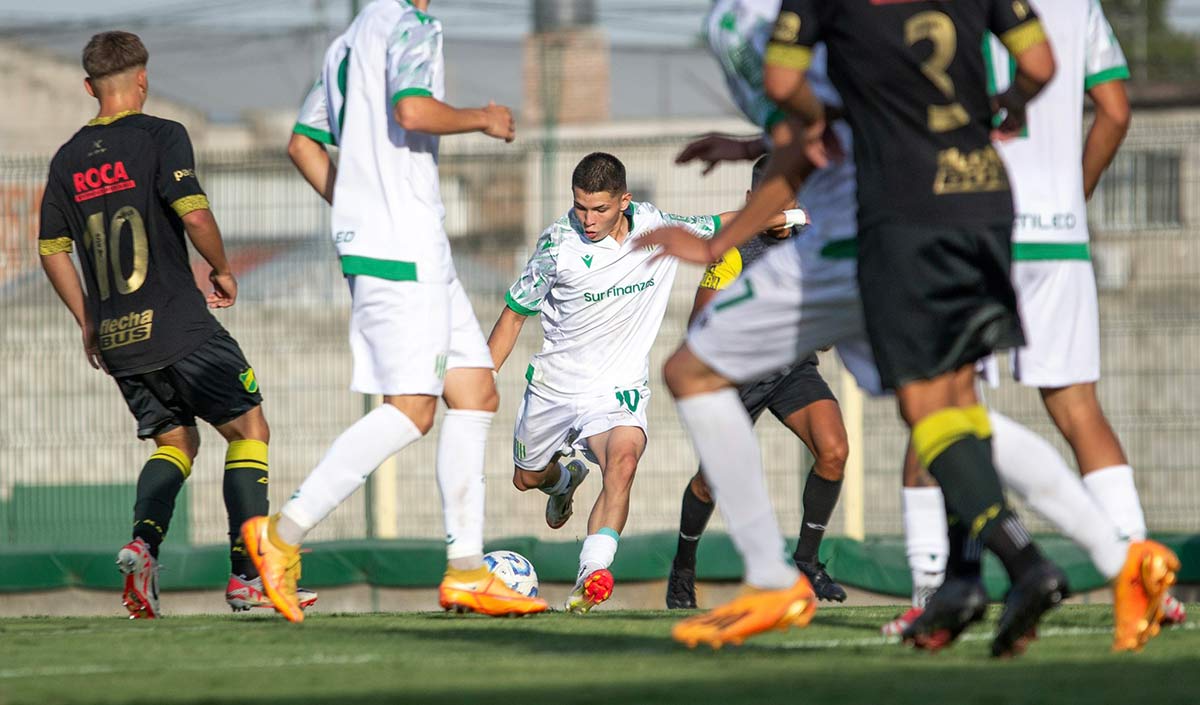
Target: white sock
923	510
460	455
563	484
599	550
350	459
1031	467
1114	491
723	435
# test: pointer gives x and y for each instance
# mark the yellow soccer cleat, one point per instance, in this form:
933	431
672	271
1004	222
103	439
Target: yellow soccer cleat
278	567
480	591
1138	590
753	611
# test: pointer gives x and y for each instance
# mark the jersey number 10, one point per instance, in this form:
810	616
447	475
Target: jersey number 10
106	251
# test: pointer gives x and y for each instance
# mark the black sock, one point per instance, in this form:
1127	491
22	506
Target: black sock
972	490
245	491
693	517
966	553
820	497
157	487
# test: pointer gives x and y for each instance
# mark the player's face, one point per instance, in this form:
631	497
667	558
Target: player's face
600	213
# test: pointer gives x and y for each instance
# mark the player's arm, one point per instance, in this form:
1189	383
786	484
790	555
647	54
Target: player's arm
179	186
504	336
202	230
1020	30
54	250
312	161
525	297
1106	73
714	148
764	211
1111	123
716	277
411	62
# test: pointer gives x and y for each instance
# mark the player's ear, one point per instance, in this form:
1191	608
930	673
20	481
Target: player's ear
91	90
625	200
143	83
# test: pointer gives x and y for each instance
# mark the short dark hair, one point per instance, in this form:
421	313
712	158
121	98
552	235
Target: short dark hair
598	172
113	52
758	171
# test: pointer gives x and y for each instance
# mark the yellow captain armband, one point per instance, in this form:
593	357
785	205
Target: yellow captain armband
788	57
187	204
53	247
722	273
1023	36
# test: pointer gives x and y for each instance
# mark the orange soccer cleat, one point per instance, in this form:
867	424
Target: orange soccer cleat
480	591
1138	591
754	611
278	567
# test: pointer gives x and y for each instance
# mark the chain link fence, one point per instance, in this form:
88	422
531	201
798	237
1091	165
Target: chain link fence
69	458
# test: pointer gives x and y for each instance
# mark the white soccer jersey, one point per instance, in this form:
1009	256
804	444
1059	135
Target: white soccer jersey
601	302
737	33
1045	163
387	208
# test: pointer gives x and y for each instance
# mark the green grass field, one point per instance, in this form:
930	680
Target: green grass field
607	657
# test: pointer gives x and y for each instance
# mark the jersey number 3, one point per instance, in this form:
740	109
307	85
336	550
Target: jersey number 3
938	29
106	251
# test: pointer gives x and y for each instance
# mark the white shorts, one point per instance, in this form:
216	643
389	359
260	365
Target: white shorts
549	423
1061	314
790	302
405	335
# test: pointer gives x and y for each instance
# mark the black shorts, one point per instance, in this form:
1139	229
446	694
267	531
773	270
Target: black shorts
786	392
936	298
214	382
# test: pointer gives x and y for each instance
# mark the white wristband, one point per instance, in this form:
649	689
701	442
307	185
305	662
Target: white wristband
795	216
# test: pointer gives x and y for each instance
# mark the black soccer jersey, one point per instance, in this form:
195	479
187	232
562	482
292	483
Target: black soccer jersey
911	74
118	190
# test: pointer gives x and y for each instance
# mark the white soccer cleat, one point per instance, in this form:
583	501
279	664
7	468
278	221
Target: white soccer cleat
140	568
560	507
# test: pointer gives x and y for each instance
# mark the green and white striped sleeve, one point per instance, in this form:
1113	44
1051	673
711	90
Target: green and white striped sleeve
414	51
705	226
1104	60
528	292
314	116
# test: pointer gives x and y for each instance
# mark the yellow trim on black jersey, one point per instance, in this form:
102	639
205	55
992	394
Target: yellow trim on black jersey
722	273
110	119
788	57
1023	36
53	247
187	204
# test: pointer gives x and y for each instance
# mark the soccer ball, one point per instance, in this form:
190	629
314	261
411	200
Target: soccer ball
515	570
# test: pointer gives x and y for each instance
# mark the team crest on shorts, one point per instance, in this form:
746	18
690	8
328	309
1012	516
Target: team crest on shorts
249	383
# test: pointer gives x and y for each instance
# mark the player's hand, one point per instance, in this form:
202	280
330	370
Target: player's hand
224	291
500	122
1011	104
822	146
91	347
713	148
678	242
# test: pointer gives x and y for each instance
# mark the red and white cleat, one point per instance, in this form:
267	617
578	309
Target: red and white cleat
140	568
591	590
897	626
243	595
1173	612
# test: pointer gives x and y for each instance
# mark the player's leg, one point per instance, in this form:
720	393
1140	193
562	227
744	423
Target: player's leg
785	306
926	539
160	416
1062	359
948	304
697	507
617	450
407	371
472	401
545	425
806	405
